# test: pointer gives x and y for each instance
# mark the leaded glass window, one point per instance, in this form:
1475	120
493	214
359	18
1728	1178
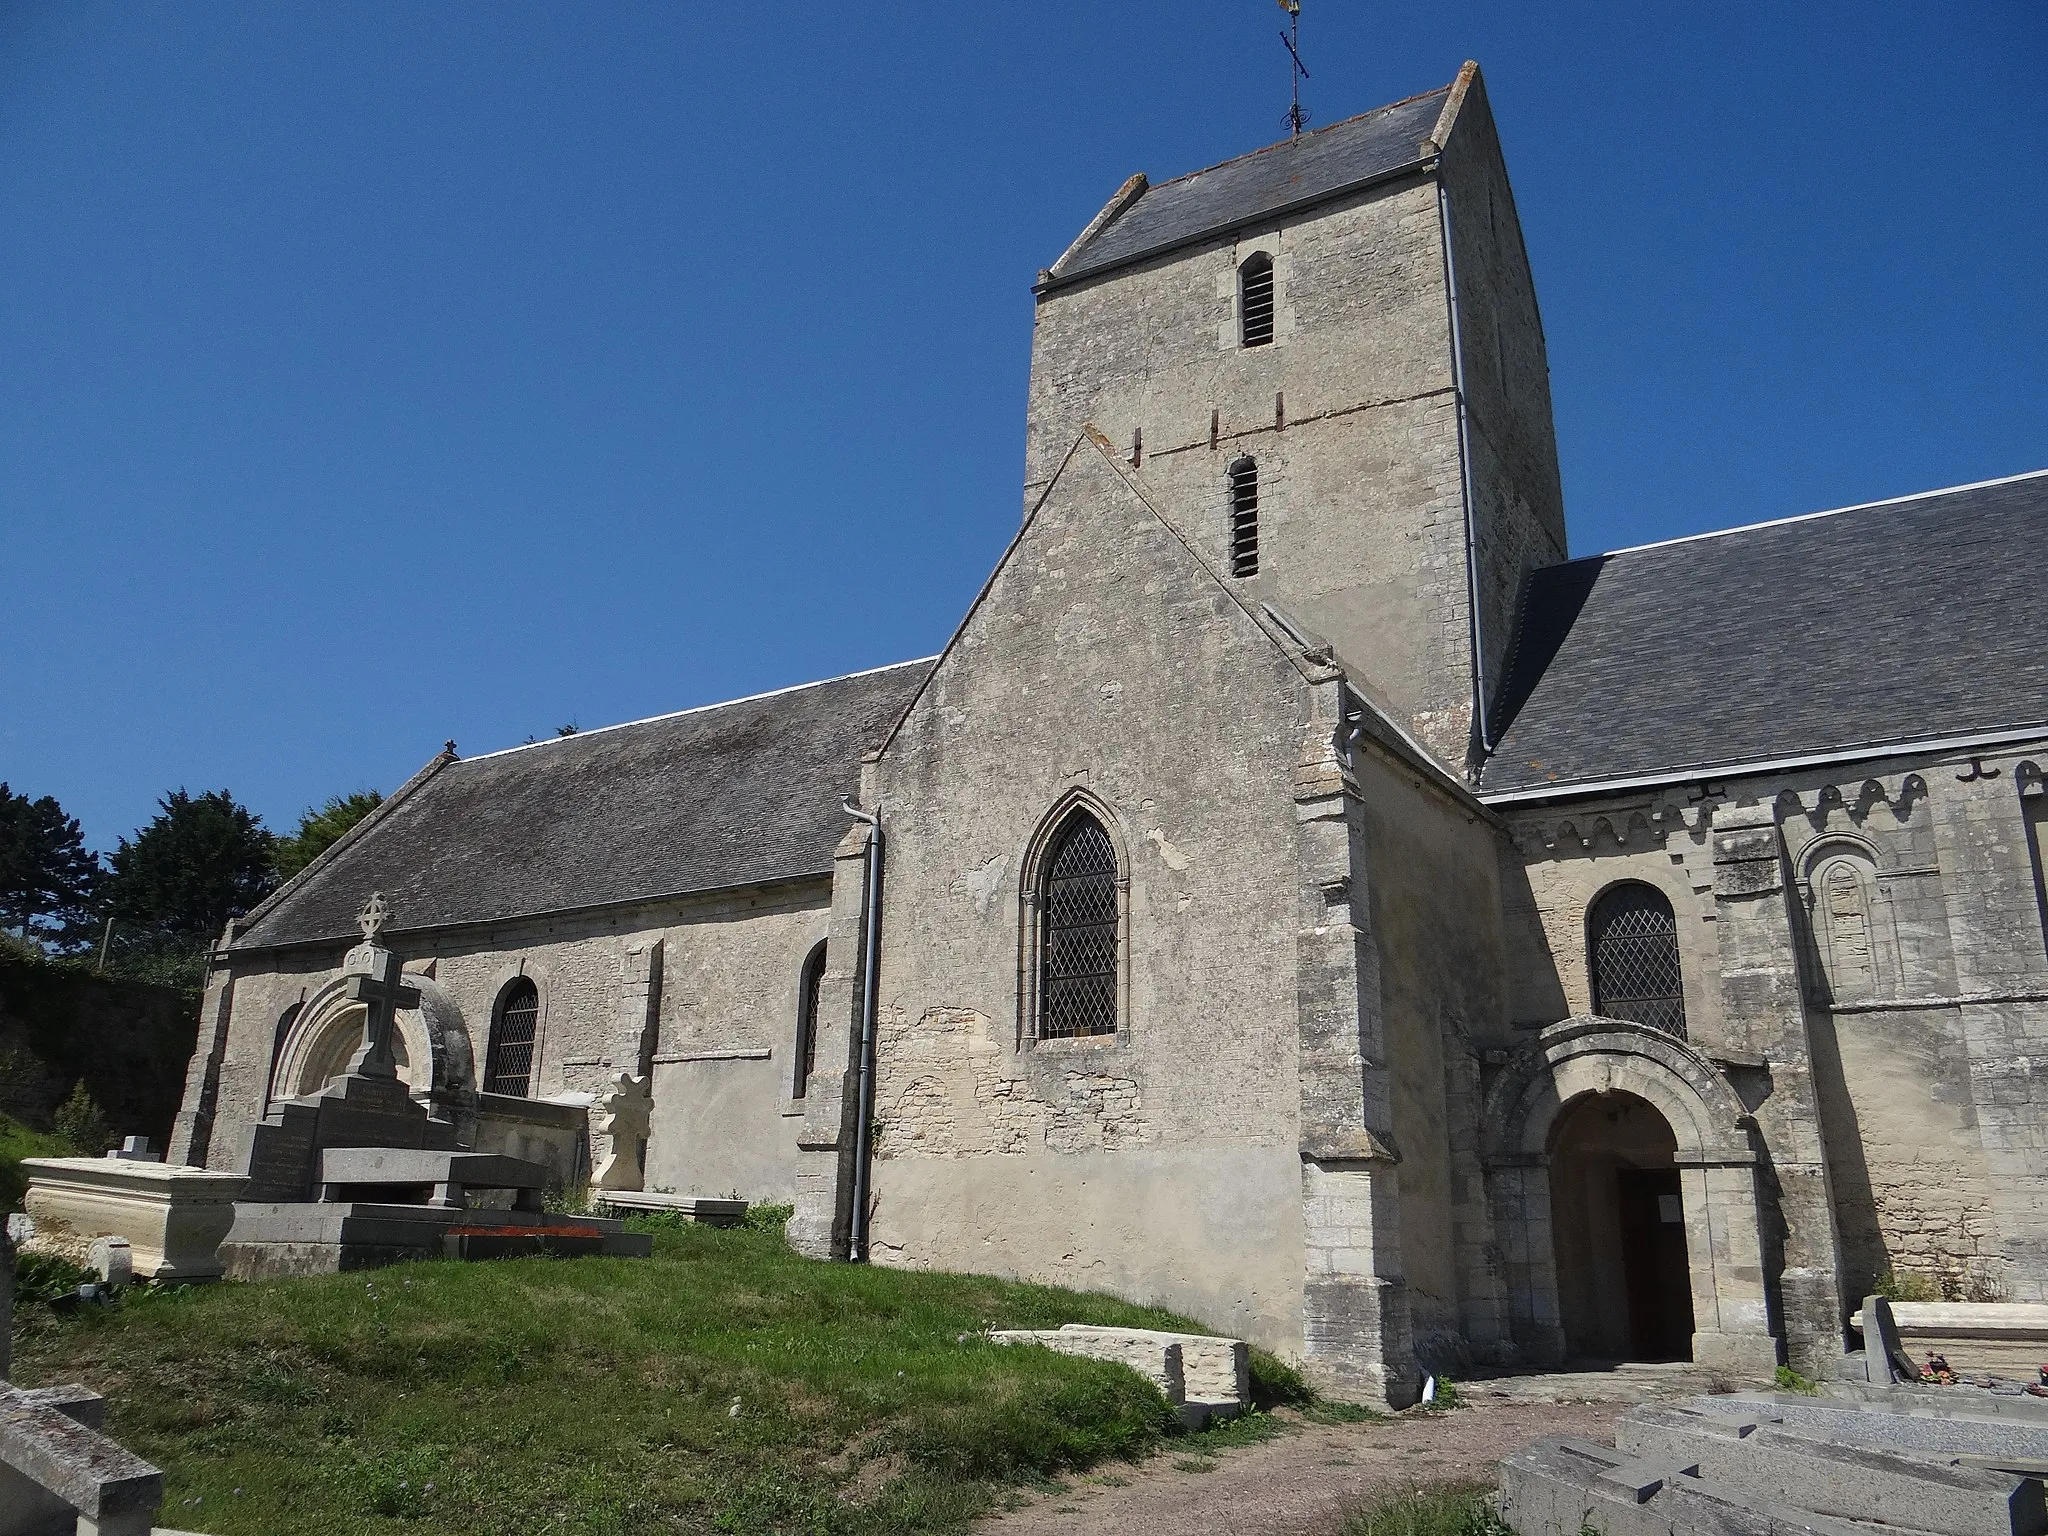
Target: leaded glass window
508	1065
1077	933
1634	940
807	1019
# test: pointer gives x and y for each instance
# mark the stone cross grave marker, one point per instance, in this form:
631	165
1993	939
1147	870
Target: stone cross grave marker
1884	1352
376	979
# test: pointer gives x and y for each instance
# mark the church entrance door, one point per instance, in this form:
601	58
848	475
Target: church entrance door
1618	1213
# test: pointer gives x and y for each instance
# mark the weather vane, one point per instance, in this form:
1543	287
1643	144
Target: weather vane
1296	118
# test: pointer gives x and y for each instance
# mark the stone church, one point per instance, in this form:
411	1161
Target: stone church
1301	893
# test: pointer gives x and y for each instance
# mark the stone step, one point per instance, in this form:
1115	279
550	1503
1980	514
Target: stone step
1205	1378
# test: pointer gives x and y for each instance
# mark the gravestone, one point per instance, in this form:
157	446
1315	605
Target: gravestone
623	1117
369	1105
359	1174
1884	1354
136	1149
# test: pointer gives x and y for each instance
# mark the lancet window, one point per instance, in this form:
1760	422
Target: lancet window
1077	961
808	988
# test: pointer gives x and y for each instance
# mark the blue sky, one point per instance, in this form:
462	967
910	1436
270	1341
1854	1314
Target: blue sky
372	374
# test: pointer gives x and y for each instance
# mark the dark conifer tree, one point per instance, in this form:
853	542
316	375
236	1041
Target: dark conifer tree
202	860
46	874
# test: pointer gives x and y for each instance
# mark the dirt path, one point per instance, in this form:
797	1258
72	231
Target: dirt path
1304	1481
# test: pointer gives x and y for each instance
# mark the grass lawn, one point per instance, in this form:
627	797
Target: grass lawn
1449	1511
16	1142
723	1385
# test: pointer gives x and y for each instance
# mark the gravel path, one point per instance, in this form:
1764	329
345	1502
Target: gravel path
1304	1481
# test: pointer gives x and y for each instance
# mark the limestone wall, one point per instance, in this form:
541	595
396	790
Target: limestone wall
725	1022
1160	1163
1429	867
1518	497
1863	951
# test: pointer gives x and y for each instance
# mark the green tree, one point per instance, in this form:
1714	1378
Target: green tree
46	874
81	1122
320	827
202	860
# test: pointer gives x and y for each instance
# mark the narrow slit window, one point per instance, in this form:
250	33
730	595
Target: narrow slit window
1255	300
1077	956
1635	958
508	1065
807	1019
1244	518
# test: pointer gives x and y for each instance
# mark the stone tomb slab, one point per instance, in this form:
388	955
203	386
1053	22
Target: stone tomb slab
1864	1481
1205	1378
713	1212
283	1154
1951	1422
423	1177
1562	1486
173	1217
317	1238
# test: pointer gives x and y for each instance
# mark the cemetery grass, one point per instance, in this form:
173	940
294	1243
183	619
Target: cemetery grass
16	1142
723	1385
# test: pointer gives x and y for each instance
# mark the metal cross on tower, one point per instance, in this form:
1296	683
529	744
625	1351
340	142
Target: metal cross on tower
1296	118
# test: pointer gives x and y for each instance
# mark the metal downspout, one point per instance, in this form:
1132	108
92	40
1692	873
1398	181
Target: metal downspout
1478	632
864	1107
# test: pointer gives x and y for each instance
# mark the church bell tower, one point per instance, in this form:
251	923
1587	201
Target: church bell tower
1325	358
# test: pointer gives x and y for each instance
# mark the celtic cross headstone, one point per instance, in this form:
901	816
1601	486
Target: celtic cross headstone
376	979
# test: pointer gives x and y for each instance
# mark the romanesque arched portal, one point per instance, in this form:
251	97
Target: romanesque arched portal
1717	1166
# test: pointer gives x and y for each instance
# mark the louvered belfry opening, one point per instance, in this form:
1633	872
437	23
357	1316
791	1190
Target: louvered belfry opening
1244	518
1255	299
1077	935
508	1065
1635	959
807	1019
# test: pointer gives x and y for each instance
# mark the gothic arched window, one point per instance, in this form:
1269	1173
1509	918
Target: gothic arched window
1255	300
508	1064
1244	517
808	987
1633	939
1078	906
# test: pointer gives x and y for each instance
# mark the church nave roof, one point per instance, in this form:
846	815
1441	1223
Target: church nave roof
711	798
1913	620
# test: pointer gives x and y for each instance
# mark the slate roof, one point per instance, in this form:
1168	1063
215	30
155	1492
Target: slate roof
727	795
1901	621
1291	174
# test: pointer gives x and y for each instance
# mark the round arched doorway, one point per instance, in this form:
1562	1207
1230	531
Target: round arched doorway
1674	1114
1617	1214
